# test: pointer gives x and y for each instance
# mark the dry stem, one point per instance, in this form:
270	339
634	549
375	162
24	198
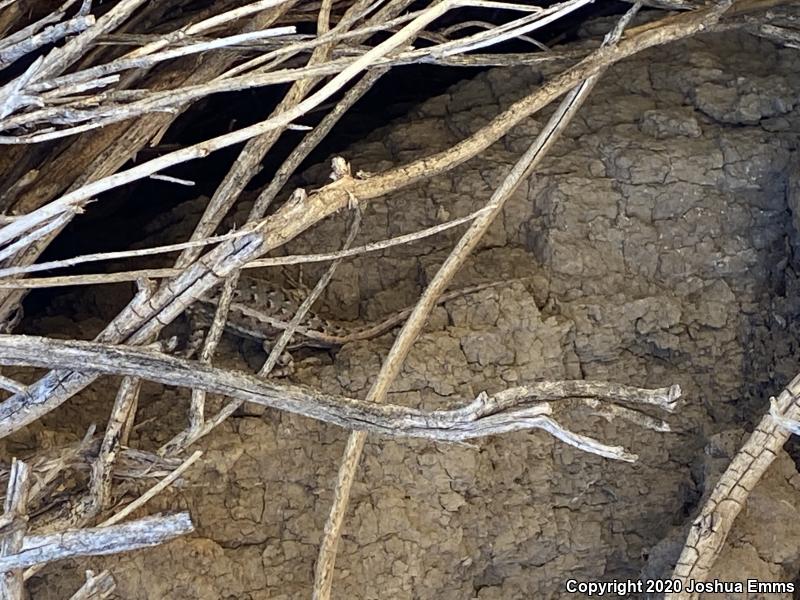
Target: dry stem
520	408
711	527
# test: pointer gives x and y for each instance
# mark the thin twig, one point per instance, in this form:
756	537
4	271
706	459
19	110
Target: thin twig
11	385
15	521
97	587
61	58
101	256
205	25
30	238
390	369
36	26
180	442
153	491
102	469
48	36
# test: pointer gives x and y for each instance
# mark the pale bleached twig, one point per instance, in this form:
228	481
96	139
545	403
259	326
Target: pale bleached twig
88	76
30	238
121	150
98	541
61	58
89	279
33	28
153	491
197	402
390	369
449	31
48	36
101	256
12	94
15	525
103	466
11	385
612	412
205	25
710	528
97	587
169	179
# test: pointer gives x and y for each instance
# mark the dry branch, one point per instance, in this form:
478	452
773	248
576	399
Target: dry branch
10	385
14	526
510	410
97	587
153	491
393	363
61	58
711	527
98	541
103	466
63	468
50	35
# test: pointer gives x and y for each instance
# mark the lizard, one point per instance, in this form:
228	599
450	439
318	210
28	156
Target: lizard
261	310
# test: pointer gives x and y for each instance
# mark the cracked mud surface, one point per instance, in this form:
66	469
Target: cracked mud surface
657	242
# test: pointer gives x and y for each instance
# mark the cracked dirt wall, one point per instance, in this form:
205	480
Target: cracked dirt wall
657	245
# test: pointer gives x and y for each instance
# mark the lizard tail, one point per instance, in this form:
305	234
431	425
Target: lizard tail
385	325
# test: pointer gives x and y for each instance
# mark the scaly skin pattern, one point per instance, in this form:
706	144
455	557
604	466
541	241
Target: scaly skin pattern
261	310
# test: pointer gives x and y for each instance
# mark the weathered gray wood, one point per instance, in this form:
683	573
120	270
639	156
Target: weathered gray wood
706	538
138	323
516	409
15	523
97	587
98	541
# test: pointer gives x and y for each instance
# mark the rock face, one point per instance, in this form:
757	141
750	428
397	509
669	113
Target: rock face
657	240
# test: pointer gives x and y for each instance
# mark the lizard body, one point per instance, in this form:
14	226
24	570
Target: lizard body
261	310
